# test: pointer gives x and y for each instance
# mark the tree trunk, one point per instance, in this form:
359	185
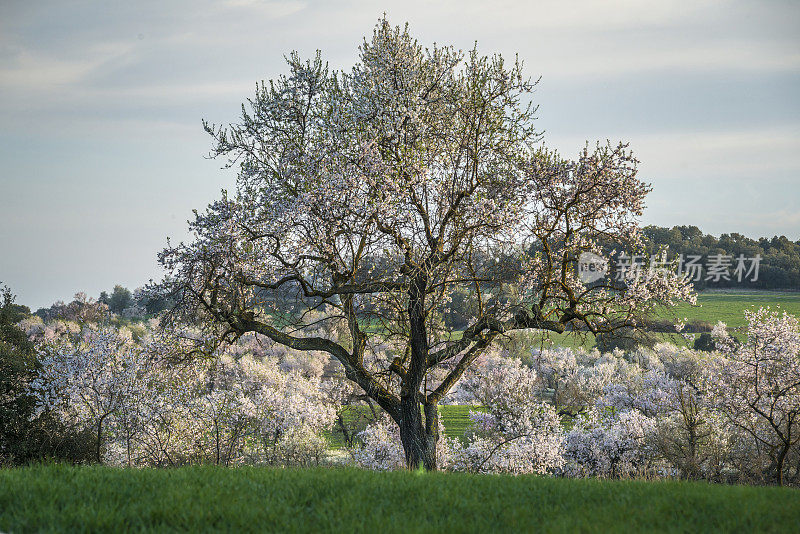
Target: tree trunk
431	435
419	445
419	442
216	442
347	438
781	460
99	439
693	465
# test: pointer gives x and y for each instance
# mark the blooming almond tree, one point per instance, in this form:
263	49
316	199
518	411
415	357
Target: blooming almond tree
96	380
757	383
517	433
379	192
609	444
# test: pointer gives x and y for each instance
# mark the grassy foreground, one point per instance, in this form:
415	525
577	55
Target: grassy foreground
62	498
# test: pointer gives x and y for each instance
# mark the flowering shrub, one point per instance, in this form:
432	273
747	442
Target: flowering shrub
381	449
756	385
146	411
95	382
518	432
610	444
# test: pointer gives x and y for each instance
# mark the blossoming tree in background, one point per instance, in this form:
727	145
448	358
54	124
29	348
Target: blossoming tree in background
516	431
145	409
756	385
379	192
94	381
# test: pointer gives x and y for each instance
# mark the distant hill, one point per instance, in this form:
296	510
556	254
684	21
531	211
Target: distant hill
779	266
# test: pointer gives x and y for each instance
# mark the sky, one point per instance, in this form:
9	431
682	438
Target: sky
103	156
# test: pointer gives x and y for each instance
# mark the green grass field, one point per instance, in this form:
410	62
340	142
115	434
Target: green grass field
727	306
205	499
454	418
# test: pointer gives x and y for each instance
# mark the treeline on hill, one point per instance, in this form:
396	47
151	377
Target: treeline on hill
780	258
122	303
779	268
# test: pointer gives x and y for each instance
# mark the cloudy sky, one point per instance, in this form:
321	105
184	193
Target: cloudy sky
102	155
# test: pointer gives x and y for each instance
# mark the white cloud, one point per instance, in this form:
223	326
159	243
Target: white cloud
744	154
34	71
717	154
274	9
